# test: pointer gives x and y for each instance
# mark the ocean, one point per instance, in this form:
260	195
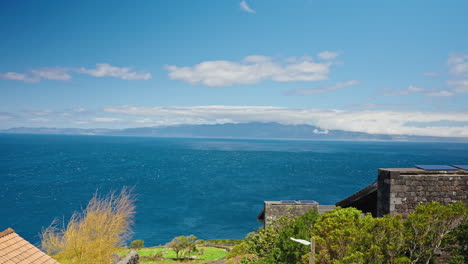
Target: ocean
211	188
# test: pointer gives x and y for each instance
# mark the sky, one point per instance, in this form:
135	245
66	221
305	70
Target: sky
379	67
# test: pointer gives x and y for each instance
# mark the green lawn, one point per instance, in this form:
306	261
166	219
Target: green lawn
209	253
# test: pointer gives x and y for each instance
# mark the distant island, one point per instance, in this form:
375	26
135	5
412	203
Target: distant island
253	130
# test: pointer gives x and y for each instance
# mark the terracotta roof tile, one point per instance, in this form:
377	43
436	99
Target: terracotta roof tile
15	250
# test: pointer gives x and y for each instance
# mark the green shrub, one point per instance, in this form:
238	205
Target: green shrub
224	241
337	233
137	244
290	251
345	235
238	250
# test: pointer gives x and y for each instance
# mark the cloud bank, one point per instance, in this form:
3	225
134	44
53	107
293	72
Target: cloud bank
390	122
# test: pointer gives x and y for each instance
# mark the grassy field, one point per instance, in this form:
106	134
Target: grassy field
167	255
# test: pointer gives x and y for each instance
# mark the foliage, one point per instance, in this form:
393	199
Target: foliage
386	239
238	250
183	246
429	226
288	250
345	235
459	238
273	244
263	243
95	234
137	244
224	241
337	233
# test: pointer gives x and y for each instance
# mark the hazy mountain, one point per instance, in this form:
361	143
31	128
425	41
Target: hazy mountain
242	130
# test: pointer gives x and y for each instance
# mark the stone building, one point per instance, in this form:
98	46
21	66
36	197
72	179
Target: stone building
401	190
394	191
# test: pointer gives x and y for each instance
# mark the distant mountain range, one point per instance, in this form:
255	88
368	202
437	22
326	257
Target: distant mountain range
230	130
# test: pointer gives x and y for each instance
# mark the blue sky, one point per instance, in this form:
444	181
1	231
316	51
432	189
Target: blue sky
395	67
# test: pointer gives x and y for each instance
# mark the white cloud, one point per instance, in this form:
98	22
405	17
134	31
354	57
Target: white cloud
458	68
106	119
443	93
107	70
461	86
323	89
328	55
369	121
458	64
320	132
252	69
80	110
409	90
432	73
13	76
414	89
244	6
38	74
41	112
40	119
374	105
63	74
80	122
55	74
145	120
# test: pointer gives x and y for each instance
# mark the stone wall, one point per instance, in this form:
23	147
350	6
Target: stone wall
274	210
131	258
401	190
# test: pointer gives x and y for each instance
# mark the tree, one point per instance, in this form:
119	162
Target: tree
183	245
96	233
429	226
137	244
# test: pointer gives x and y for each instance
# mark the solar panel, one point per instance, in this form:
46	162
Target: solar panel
288	201
307	201
435	167
463	167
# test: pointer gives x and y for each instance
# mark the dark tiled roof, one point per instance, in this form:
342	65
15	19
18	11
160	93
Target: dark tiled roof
359	195
16	250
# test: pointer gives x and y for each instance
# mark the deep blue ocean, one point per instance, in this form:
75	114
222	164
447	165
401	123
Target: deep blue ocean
212	188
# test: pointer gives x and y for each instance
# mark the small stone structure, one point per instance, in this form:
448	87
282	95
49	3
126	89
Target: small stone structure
131	258
401	190
273	210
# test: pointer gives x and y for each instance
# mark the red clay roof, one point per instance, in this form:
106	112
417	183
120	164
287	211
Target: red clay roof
16	250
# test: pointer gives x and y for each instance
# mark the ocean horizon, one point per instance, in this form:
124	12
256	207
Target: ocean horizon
211	188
